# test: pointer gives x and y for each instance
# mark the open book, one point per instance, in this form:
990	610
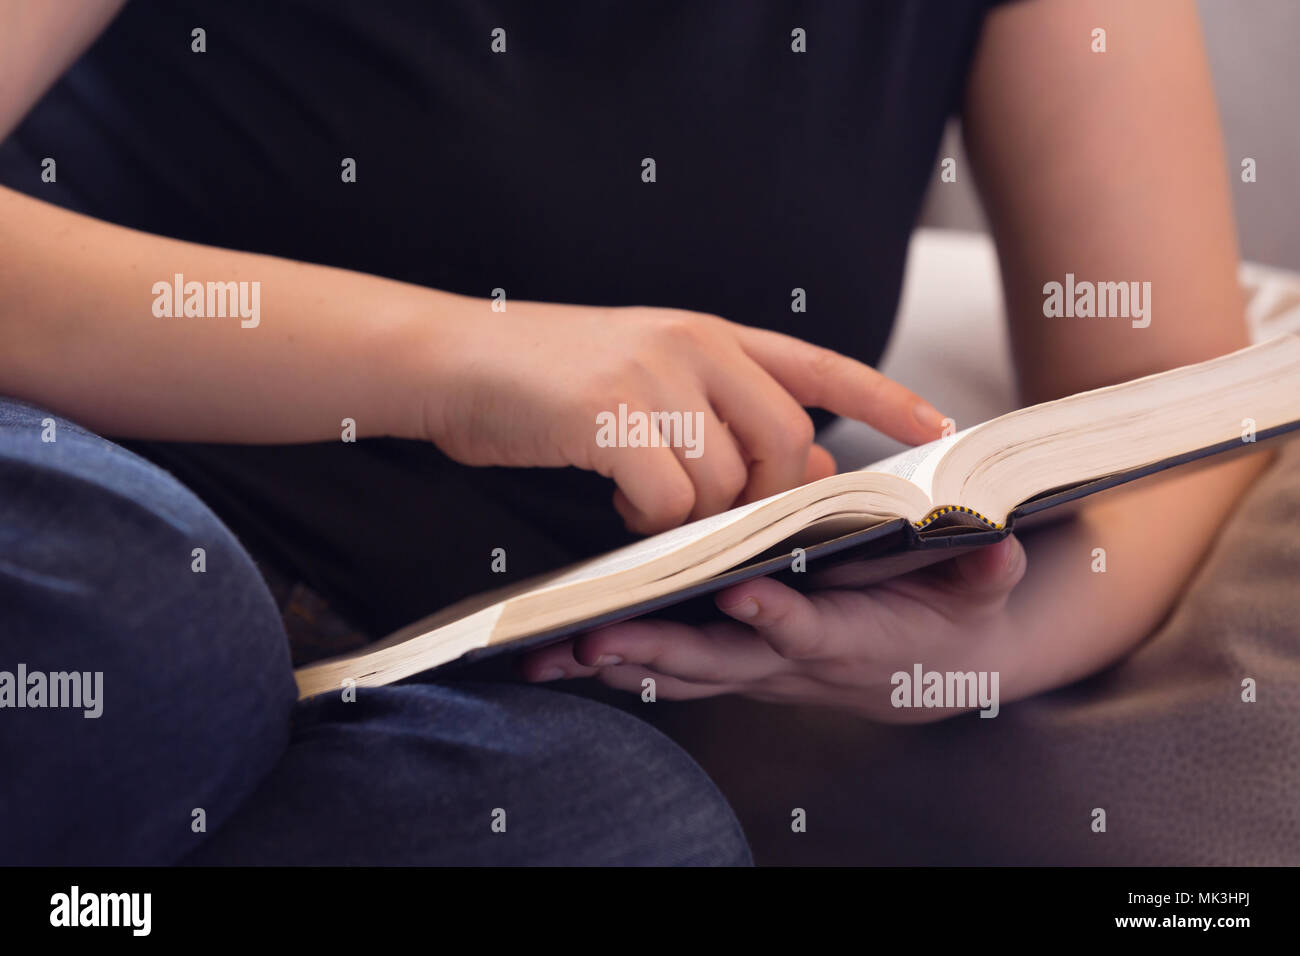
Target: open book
964	490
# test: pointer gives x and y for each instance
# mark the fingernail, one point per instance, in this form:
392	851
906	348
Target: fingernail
1011	562
745	610
551	673
929	416
607	660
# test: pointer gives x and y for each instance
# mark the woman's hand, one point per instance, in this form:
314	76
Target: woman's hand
837	647
525	387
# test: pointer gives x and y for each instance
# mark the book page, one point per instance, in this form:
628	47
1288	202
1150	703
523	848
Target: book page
1122	429
886	500
918	464
644	551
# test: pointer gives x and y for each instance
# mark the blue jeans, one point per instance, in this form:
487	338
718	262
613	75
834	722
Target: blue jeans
199	753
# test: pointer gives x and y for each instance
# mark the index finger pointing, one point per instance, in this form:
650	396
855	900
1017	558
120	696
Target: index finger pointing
820	377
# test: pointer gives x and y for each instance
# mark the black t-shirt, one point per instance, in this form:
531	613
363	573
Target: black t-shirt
519	170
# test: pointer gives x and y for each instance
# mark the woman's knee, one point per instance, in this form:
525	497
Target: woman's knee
634	795
117	581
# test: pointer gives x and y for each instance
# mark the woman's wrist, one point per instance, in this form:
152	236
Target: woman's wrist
419	359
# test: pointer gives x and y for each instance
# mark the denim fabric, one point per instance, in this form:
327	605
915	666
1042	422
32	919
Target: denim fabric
417	774
199	713
95	575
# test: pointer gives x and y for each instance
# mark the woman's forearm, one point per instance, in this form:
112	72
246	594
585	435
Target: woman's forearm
81	333
1069	617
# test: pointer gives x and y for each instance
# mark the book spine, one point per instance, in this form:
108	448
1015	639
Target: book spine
946	509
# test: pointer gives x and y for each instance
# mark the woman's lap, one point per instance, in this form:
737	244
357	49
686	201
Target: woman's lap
97	575
481	774
199	752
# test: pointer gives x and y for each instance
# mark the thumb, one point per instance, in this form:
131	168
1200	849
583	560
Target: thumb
989	572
